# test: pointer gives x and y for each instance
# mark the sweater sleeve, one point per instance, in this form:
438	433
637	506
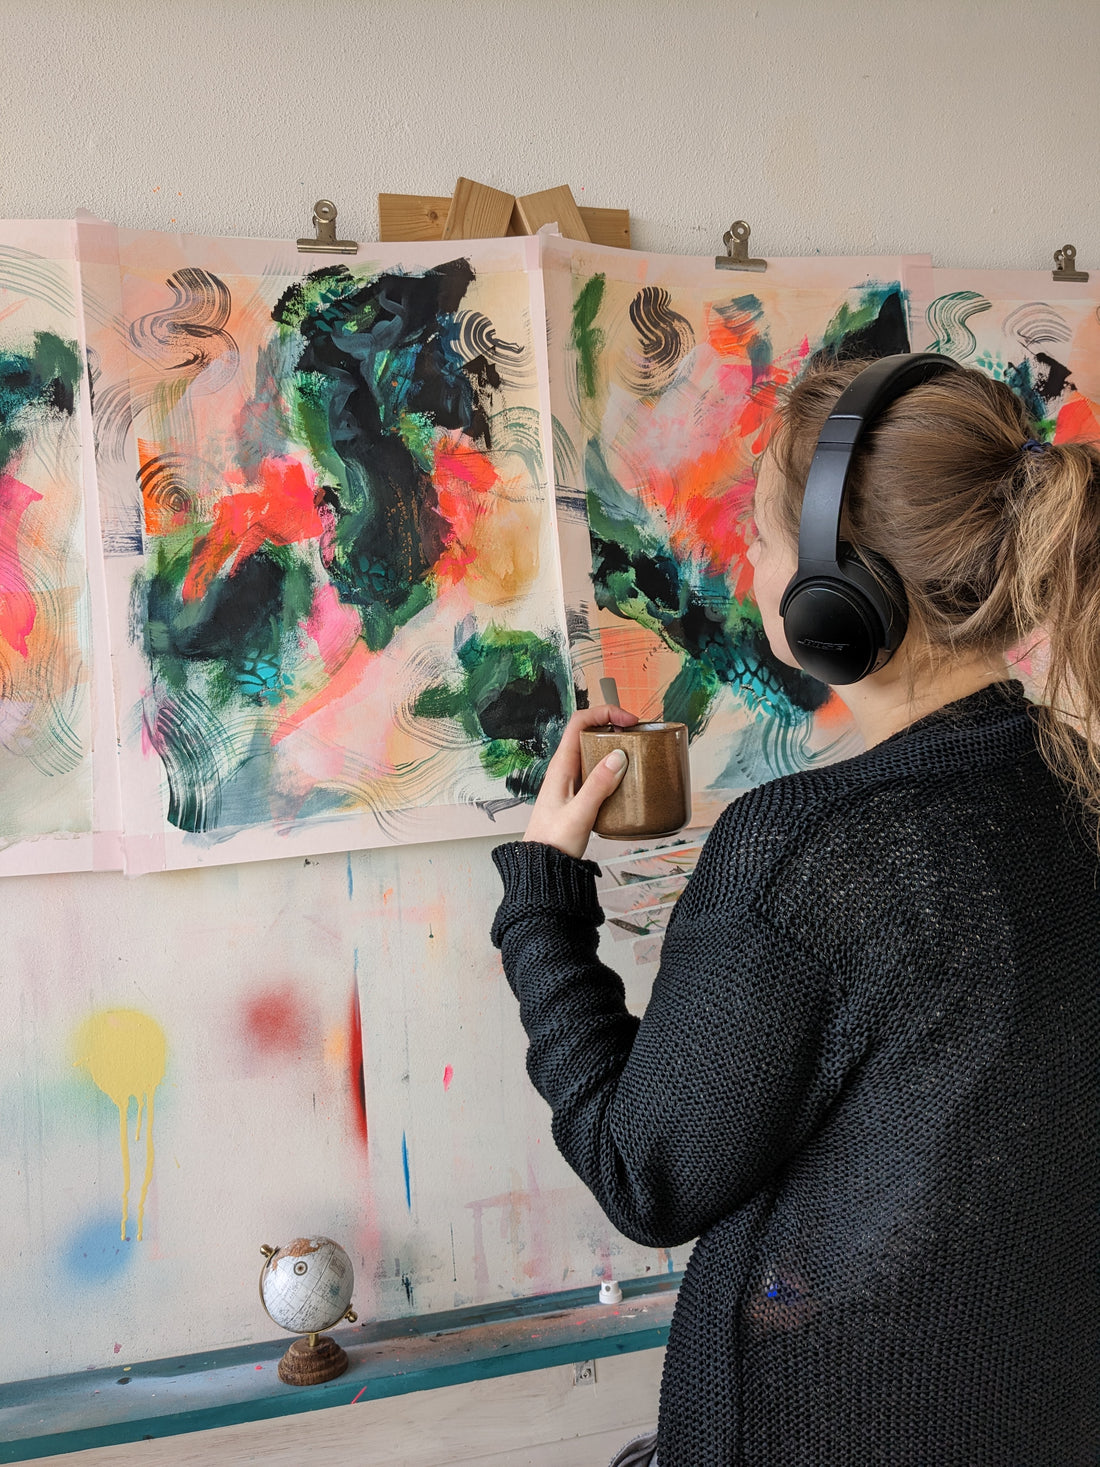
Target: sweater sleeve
676	1120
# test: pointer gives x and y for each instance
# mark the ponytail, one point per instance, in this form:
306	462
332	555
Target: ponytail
1056	589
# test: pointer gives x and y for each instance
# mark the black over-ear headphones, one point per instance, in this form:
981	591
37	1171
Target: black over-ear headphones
843	621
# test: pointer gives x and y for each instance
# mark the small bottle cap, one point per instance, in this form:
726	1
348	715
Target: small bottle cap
610	1293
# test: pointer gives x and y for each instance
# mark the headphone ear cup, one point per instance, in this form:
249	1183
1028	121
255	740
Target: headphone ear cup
830	629
841	627
878	581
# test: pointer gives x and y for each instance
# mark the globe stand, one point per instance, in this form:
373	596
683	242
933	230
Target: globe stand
312	1361
317	1358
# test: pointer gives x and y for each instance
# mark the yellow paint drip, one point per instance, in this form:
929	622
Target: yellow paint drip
124	1052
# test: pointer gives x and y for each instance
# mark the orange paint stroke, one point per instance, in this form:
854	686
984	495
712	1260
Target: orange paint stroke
1077	422
832	714
462	476
703	494
730	335
283	512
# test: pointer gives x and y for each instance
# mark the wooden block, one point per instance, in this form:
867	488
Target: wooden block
411	216
478	212
551	206
607	226
423	216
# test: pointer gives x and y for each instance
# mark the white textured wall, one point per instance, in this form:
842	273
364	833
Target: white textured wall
970	128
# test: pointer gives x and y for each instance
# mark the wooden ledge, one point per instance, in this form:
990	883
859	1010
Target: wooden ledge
69	1413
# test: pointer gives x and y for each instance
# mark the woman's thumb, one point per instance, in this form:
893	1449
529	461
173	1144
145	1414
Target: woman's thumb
602	781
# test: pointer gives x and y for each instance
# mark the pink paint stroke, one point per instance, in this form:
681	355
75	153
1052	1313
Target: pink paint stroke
17	608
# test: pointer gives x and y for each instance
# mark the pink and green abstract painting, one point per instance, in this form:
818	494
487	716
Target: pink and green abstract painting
664	374
46	812
341	608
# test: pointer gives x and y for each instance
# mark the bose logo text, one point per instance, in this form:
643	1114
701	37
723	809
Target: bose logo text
822	646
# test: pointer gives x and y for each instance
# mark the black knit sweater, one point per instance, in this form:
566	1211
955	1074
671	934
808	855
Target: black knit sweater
868	1078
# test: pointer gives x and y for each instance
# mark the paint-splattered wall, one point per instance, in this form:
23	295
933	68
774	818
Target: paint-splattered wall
292	1057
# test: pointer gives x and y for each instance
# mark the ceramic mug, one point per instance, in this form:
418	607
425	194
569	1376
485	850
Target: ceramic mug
654	794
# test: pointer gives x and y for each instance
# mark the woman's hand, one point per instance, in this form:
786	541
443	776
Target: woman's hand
565	814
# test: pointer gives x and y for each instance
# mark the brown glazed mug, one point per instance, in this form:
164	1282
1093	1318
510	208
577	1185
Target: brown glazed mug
654	794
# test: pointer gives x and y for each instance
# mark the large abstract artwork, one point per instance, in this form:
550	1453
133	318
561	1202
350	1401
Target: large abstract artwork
664	372
333	572
47	709
364	530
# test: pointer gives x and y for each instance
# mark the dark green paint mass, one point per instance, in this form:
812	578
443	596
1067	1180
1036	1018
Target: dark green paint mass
46	378
513	697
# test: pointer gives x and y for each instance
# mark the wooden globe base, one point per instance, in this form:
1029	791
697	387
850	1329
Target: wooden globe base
311	1361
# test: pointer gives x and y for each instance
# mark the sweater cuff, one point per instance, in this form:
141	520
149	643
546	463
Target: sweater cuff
542	878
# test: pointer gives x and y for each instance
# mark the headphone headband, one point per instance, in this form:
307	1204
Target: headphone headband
859	406
841	620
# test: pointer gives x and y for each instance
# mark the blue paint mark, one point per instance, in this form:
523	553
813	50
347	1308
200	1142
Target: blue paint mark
671	1266
405	1166
96	1253
351	880
355	961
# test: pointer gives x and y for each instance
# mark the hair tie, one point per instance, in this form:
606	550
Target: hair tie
1033	445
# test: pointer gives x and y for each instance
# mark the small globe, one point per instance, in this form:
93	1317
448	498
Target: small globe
306	1287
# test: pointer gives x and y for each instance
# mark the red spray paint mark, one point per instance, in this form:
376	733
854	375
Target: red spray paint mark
276	1020
355	1068
356	1398
448	1076
118	1347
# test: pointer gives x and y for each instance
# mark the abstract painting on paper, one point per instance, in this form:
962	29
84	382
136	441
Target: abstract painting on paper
47	709
1040	336
663	374
335	602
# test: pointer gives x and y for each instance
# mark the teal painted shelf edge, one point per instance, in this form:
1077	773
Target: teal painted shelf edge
449	1348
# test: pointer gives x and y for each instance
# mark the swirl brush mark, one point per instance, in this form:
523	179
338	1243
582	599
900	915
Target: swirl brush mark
567	461
476	340
1034	324
199	755
665	338
517	431
947	317
164	491
190	336
39	280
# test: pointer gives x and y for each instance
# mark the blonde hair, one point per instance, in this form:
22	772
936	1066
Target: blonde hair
993	541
